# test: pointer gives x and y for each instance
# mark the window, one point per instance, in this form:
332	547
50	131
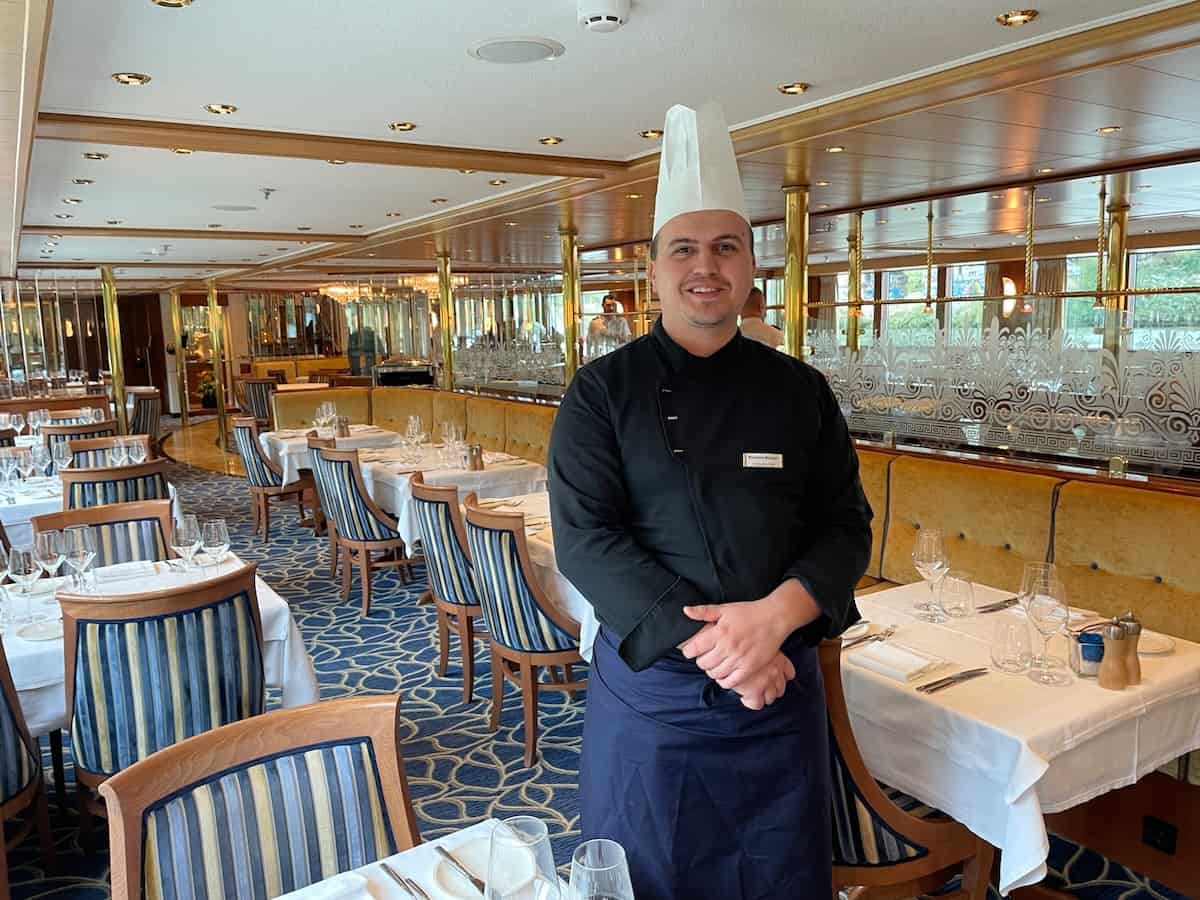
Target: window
1080	317
866	326
907	324
1166	321
966	280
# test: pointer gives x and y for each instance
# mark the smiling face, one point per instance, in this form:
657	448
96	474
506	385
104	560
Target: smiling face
703	270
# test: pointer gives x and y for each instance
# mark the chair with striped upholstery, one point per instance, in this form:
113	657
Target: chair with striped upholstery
115	484
96	453
256	809
362	527
125	532
146	415
877	844
322	520
256	397
139	671
264	477
451	579
22	782
525	630
77	431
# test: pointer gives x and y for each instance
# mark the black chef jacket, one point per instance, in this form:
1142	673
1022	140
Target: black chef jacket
678	480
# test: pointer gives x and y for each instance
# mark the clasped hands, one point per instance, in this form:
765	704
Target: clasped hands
738	647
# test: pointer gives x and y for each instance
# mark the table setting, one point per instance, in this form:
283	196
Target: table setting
288	447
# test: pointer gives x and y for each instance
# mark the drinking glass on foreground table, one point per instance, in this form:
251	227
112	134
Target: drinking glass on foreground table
215	540
62	456
79	546
520	862
1010	647
599	871
1049	614
1035	579
185	538
931	562
957	594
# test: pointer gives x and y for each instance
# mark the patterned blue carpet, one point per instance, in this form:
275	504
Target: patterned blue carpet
459	771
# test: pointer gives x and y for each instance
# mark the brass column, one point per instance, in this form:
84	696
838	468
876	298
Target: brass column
112	330
215	330
569	245
1116	271
180	356
795	271
446	319
854	292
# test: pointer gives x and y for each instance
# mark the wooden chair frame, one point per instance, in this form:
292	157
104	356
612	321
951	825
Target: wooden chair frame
320	519
358	553
457	615
82	445
109	513
92	428
519	667
129	793
261	497
244	403
33	797
952	847
111	473
173	600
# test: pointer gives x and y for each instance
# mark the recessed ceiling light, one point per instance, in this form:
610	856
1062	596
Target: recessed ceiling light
57	237
1075	237
439	200
512	224
304	228
402	126
172	4
71	201
264	254
82	181
183	151
336	162
997	196
281	249
95	156
1045	170
794	87
214	225
651	134
497	182
1108	129
836	148
882	221
370	254
956	210
63	216
1144	187
76	259
822	206
221	109
467	171
212	260
1149	231
247	259
509	50
1015	17
395	215
115	221
633	196
822	184
551	140
1043	199
131	78
358	226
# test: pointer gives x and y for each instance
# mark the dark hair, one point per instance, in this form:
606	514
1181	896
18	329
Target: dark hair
756	290
749	242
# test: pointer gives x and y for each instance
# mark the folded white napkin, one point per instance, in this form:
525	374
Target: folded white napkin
126	570
495	456
893	662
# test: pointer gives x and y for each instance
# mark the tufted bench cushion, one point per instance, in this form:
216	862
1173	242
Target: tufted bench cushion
391	407
262	366
485	422
527	430
449	407
295	409
994	520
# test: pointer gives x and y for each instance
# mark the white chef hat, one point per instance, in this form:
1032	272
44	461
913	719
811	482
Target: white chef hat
698	170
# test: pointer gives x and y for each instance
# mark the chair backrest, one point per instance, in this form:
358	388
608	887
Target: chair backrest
20	758
96	453
147	410
257	392
125	532
115	484
77	431
265	806
279	376
445	541
517	613
261	471
344	497
144	671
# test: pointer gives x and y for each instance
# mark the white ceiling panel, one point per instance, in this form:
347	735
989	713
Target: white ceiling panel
123	249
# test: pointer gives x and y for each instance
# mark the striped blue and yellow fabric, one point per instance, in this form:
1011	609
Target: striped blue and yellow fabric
147	410
142	684
342	502
510	610
92	459
52	439
269	827
85	494
258	473
450	574
130	540
860	837
18	767
258	398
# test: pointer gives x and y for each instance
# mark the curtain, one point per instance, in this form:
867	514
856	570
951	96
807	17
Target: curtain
1051	275
826	319
992	287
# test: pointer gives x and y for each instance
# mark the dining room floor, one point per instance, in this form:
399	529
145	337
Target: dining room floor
459	771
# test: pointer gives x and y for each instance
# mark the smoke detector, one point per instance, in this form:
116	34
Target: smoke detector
603	16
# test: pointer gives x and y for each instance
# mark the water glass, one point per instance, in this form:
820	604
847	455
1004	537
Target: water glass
599	871
18	422
119	454
40	454
48	550
957	594
520	862
25	463
137	452
23	568
931	562
185	538
79	547
1048	613
215	540
62	456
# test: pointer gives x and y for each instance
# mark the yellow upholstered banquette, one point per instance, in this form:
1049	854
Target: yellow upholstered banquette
295	409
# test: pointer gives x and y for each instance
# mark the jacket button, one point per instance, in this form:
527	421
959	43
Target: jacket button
1095	567
1158	579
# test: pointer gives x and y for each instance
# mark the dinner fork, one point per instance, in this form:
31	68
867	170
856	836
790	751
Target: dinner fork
869	638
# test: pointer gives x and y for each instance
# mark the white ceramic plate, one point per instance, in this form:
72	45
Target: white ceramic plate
856	631
41	631
474	855
1151	643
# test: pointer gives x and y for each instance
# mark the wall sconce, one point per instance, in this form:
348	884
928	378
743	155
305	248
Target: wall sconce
1010	296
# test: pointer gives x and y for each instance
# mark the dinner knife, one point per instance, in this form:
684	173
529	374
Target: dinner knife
462	870
997	606
965	675
396	878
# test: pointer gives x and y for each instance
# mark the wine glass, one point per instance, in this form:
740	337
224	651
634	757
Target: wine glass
25	464
215	540
79	547
118	455
23	568
931	562
1049	614
62	456
185	538
599	871
18	422
1034	579
137	452
48	550
40	454
520	862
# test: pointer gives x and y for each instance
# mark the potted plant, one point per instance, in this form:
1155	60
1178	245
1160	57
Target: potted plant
208	391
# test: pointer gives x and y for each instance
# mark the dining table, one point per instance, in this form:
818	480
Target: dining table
38	666
288	447
1000	752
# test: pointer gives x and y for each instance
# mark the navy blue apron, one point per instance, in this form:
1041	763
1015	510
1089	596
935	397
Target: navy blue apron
711	800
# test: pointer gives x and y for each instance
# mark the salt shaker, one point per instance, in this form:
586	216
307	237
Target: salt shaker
1133	633
1112	666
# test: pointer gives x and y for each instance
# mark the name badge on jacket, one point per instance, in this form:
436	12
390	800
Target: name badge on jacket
762	460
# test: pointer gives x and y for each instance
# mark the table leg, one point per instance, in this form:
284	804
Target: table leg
60	777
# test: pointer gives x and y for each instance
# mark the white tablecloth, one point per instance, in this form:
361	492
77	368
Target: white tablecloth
998	752
44	497
38	667
288	448
388	480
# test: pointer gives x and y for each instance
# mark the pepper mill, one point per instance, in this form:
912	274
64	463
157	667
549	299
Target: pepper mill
1133	632
1112	666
